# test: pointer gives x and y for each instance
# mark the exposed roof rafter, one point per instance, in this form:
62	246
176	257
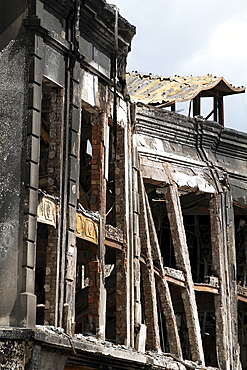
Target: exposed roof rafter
165	91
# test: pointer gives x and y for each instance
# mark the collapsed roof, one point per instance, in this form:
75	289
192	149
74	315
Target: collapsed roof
166	91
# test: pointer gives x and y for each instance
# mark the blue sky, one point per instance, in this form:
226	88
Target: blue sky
192	37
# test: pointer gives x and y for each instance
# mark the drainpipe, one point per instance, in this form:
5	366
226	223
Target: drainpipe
115	80
115	77
64	190
69	65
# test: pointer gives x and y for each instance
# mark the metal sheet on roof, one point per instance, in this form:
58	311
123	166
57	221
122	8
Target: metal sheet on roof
157	90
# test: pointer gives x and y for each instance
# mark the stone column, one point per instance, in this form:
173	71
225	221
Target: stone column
20	132
73	105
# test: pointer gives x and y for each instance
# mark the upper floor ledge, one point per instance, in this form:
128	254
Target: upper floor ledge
95	349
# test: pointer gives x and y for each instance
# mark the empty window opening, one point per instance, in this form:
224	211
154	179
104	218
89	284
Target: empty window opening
44	138
110	201
42	242
49	183
111	165
50	139
45	274
84	324
110	284
195	209
162	327
178	306
158	206
147	307
241	248
87	288
241	277
206	312
86	153
142	299
242	332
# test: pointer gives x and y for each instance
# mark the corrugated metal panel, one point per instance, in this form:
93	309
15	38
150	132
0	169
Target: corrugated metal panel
157	90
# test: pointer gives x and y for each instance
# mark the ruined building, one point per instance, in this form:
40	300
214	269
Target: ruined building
123	224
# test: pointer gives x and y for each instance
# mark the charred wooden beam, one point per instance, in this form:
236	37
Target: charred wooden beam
182	258
138	308
221	110
164	292
197	105
151	311
225	302
215	108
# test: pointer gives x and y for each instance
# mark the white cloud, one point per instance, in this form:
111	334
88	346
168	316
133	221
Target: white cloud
192	37
225	53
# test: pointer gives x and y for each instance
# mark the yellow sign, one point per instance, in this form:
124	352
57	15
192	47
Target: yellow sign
46	211
86	228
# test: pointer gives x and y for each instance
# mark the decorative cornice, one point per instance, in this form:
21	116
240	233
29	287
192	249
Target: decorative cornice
97	23
61	7
191	132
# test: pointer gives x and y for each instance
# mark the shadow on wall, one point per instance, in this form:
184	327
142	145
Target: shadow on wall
11	17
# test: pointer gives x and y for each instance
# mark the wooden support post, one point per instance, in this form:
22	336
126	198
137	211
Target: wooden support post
233	301
223	309
182	258
216	108
164	292
197	106
151	311
221	110
139	344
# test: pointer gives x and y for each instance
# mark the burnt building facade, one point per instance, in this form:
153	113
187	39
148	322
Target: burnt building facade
122	225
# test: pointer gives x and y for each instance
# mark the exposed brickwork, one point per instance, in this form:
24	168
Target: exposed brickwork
52	121
98	203
52	114
122	283
98	185
12	355
50	277
121	296
94	275
70	52
120	178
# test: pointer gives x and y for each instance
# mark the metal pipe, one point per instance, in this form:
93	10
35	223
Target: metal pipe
64	192
115	78
69	64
